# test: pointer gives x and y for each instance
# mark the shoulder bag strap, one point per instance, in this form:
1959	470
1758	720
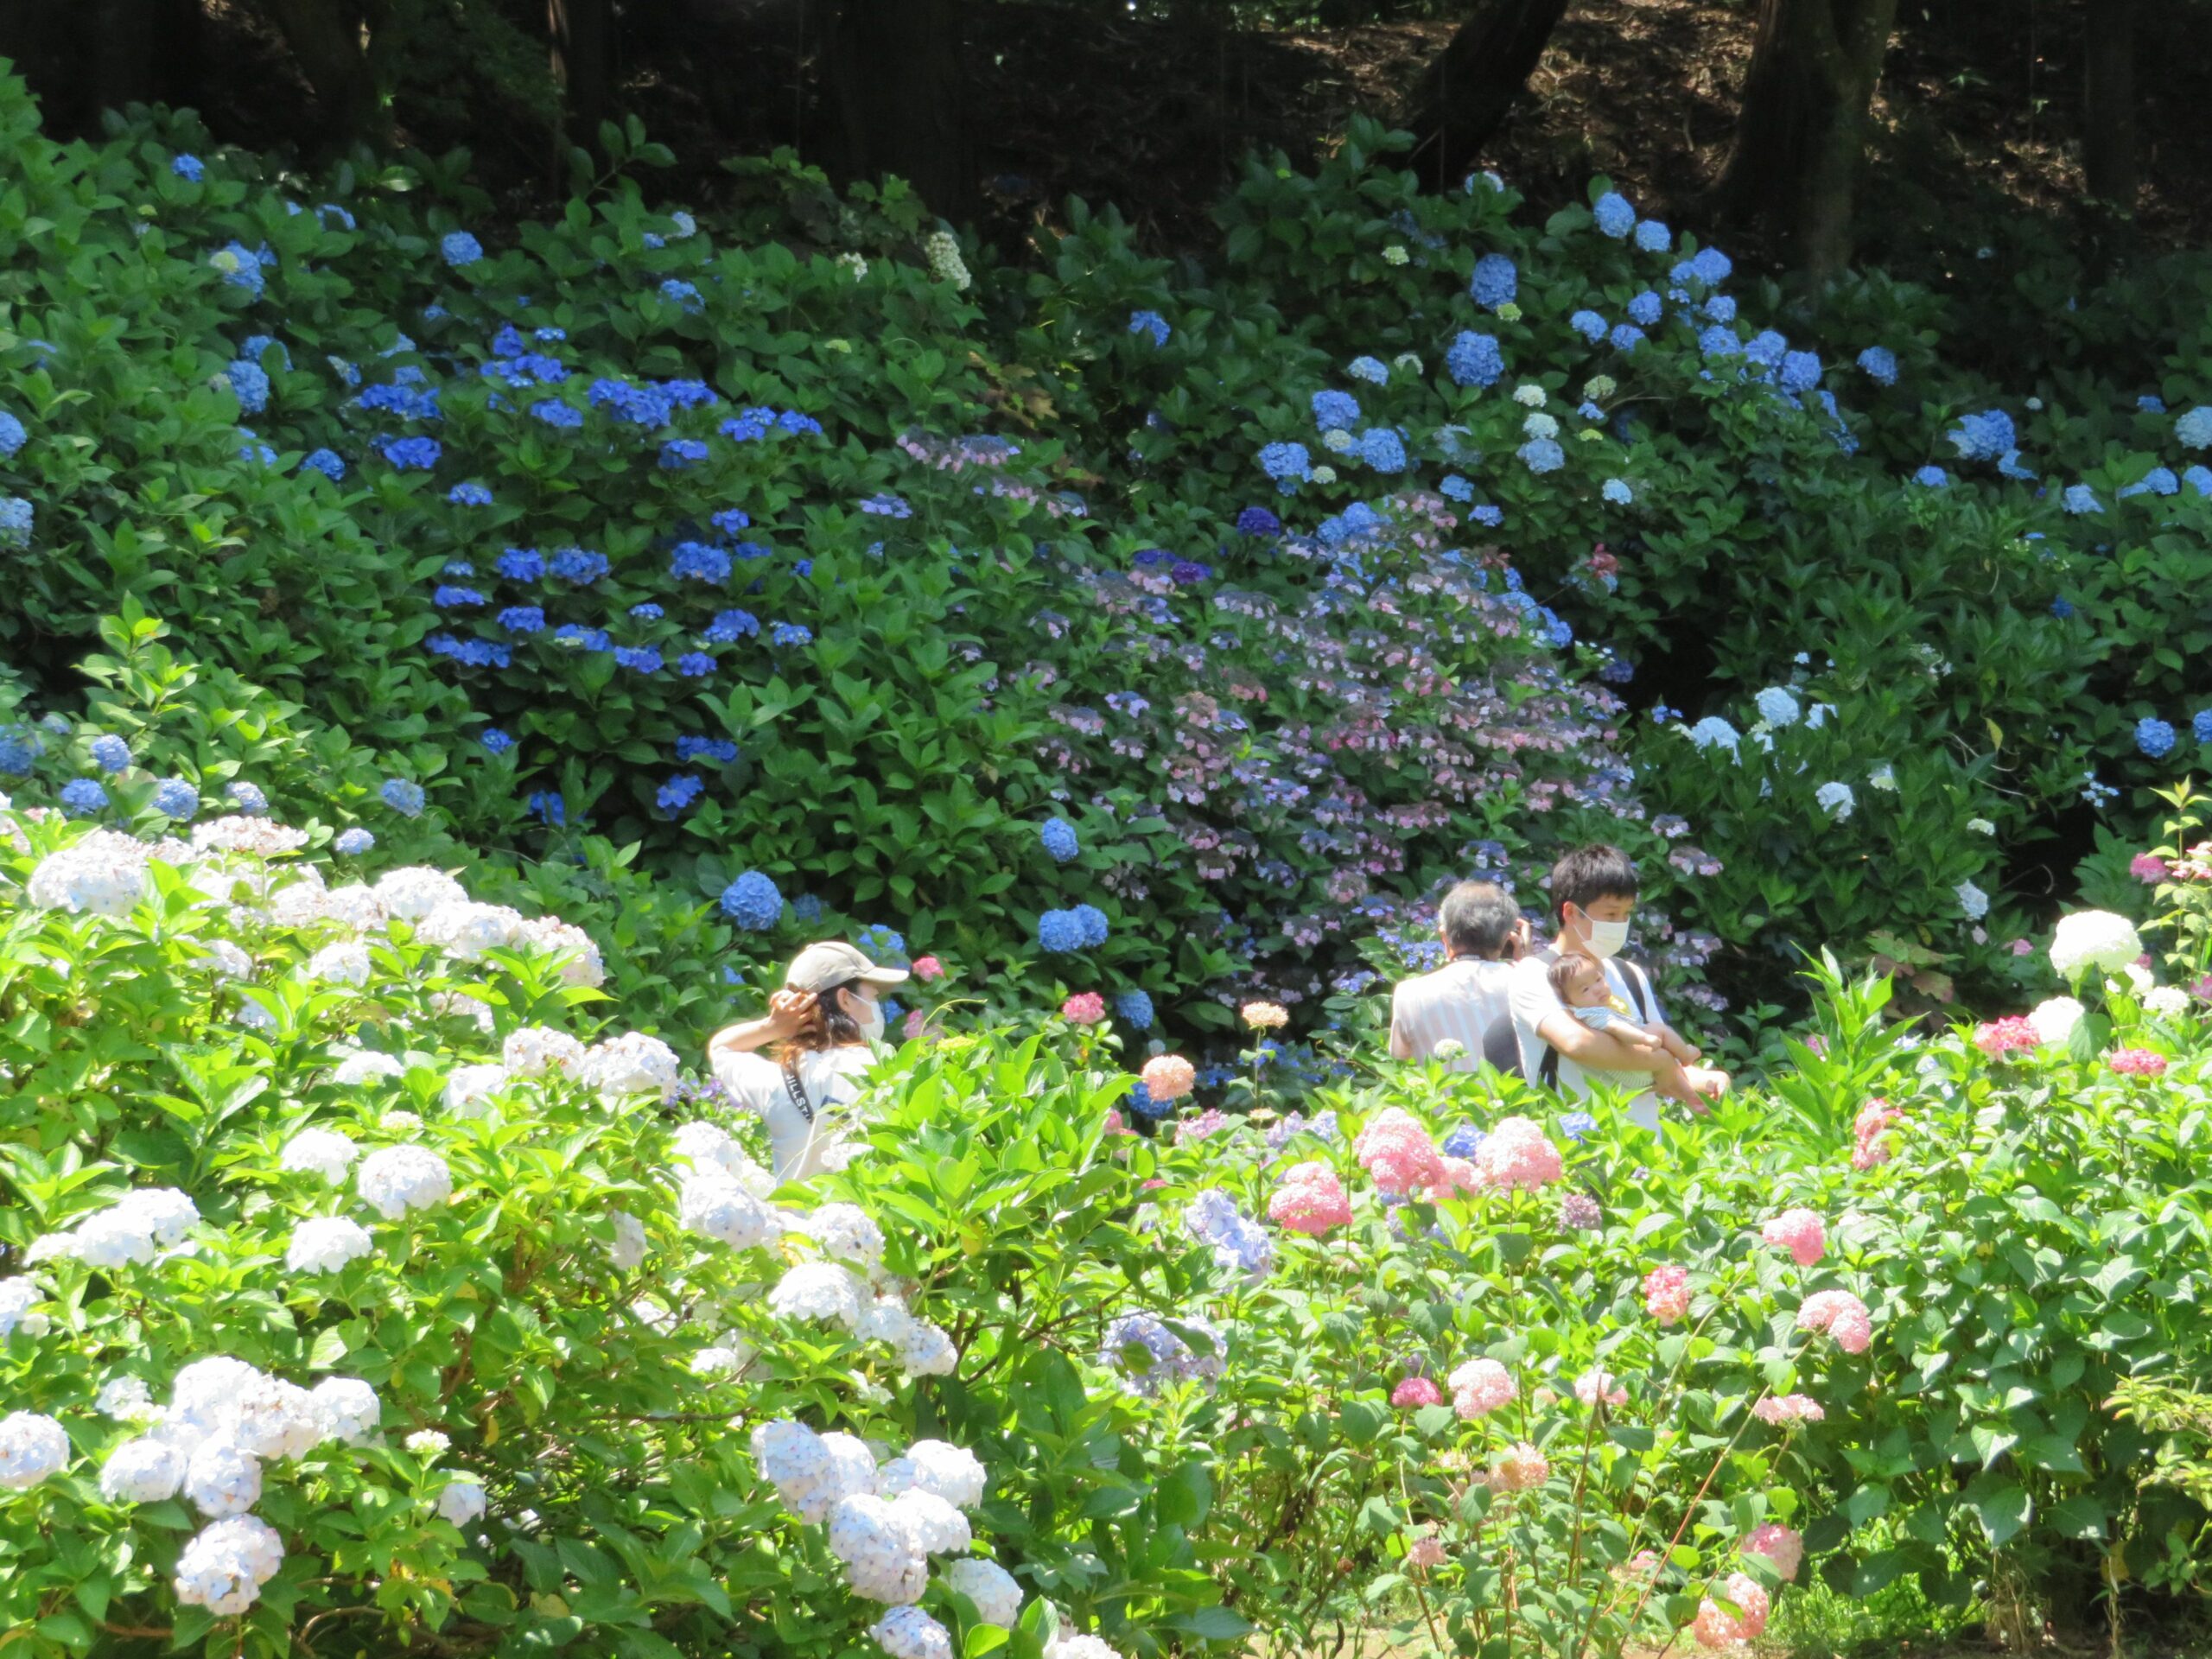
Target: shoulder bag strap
794	1088
1640	987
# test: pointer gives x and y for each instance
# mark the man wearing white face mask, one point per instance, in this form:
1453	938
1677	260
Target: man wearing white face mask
825	1023
1593	894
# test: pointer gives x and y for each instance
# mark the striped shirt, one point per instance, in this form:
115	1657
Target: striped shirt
1456	1003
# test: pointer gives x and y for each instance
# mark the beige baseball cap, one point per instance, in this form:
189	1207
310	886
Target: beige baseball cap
834	963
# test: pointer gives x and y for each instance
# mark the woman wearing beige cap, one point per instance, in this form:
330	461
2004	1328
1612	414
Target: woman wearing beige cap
825	1024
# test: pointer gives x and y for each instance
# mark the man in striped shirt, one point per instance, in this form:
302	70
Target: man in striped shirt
1484	934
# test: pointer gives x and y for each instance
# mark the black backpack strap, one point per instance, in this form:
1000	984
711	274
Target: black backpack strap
794	1088
1640	987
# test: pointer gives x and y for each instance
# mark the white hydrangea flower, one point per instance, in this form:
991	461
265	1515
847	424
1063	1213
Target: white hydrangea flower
299	903
468	931
1883	777
712	1204
427	1443
224	1566
32	1446
18	1296
627	1252
462	1502
351	1409
855	264
469	1087
1529	395
1817	716
707	1146
271	1418
254	1017
397	1179
226	961
1982	826
358	1065
938	1528
319	1152
326	1244
1836	800
2166	1001
2094	938
843	1230
1080	1647
720	1360
202	1391
633	1064
882	1558
995	1592
942	250
262	837
953	1472
1324	474
1777	706
581	961
410	893
2055	1018
910	1633
798	1463
344	963
1336	441
460	1005
926	1351
817	1292
356	906
127	1232
102	874
1714	733
885	1319
400	1120
143	1470
539	1050
127	1399
1972	901
222	1477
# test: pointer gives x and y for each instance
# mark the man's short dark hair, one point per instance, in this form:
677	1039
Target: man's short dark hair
1589	874
1476	919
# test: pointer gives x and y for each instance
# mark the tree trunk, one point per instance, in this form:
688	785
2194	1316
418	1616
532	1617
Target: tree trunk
2108	127
582	36
324	40
894	82
1464	96
1801	130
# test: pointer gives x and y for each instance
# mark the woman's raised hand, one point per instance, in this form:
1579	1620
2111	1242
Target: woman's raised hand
789	1010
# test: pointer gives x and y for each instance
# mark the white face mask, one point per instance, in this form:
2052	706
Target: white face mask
1605	938
870	1019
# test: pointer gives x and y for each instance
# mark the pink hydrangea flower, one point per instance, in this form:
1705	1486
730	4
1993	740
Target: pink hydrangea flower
1480	1386
1458	1175
1398	1154
1667	1293
1193	1129
2149	867
1168	1076
1644	1564
1115	1123
1516	1154
2001	1038
1426	1551
1084	1008
1778	1410
1519	1468
1842	1315
914	1024
1715	1627
1266	1016
1800	1232
1597	1384
1416	1391
2137	1063
1874	1119
927	969
1310	1200
2023	947
1779	1545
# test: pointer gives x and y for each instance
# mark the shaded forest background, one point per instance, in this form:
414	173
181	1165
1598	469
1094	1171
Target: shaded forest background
1899	133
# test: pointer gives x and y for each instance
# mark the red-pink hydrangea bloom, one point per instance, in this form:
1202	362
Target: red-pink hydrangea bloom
2148	867
1519	1468
1168	1076
1398	1154
1874	1120
1426	1551
1516	1155
2014	1033
1115	1123
1667	1293
1084	1008
1456	1175
1598	1385
1716	1627
927	969
1480	1386
1780	1545
1310	1200
1644	1564
1416	1391
1800	1232
1842	1315
1778	1410
2137	1063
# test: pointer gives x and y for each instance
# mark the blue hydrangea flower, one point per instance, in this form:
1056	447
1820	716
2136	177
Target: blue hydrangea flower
248	798
496	741
1615	217
12	435
556	414
2061	607
1464	1141
1372	369
1718	341
730	520
1646	308
576	565
642	659
1617	491
411	454
1134	1009
1711	266
1495	282
1800	373
547	807
2194	427
679	792
2150	403
1090	921
753	902
2199	480
2080	499
1382	448
1983	436
1653	237
1934	477
1258	521
1286	463
713	748
1720	308
2009	464
1542	455
1588	324
682	294
2200	726
1487	514
1059	933
2154	737
790	634
1335	411
1625	337
188	167
695	665
239	267
82	797
1456	488
175	798
1475	360
448	597
1765	348
1879	364
469	495
403	797
1578	1126
1059	838
110	752
459	249
328	462
679	453
730	626
354	842
523	619
2159	480
1152	323
249	383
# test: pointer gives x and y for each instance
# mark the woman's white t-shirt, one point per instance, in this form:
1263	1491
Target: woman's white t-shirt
829	1078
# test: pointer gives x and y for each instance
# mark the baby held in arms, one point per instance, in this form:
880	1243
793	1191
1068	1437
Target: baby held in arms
1580	984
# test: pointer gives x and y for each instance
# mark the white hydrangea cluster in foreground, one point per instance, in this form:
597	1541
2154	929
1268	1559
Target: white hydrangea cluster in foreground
129	1231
